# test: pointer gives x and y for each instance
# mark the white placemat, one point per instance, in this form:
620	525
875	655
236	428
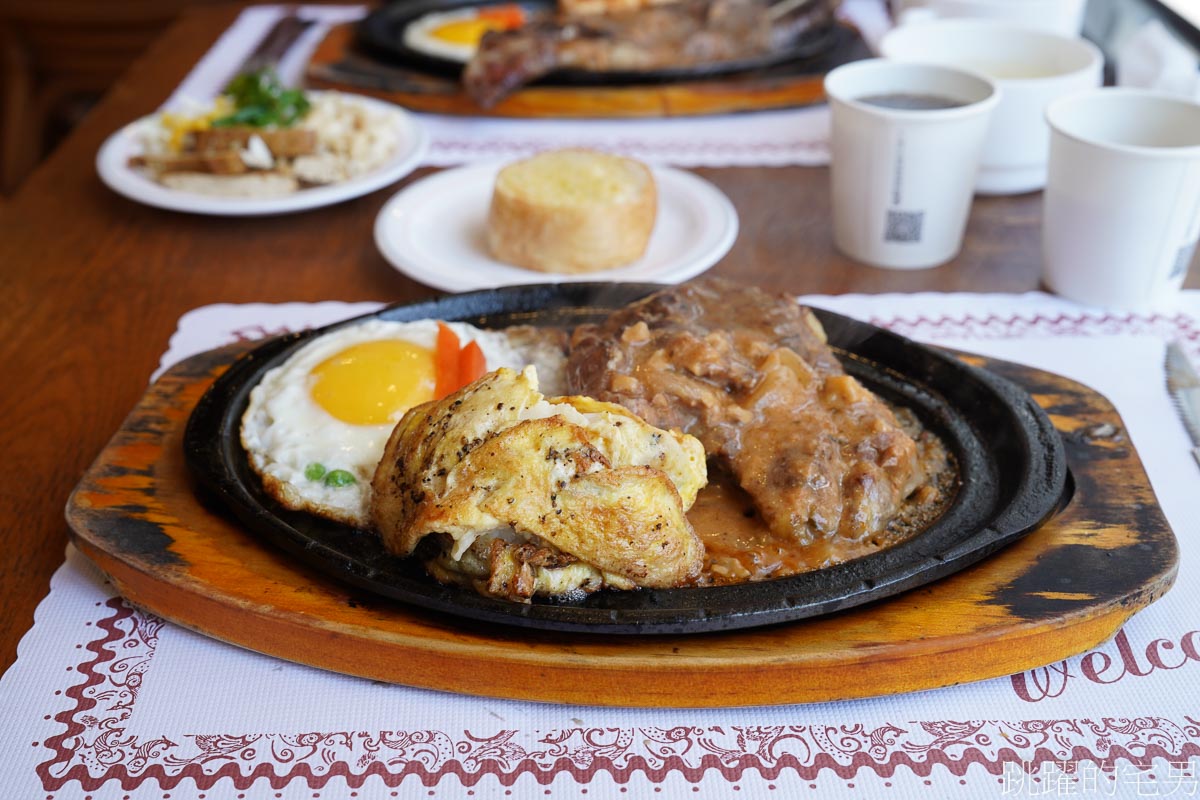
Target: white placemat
109	703
772	138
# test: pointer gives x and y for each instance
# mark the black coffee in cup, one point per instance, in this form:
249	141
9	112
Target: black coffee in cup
907	101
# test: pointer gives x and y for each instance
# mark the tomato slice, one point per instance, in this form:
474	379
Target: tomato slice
446	362
472	365
507	16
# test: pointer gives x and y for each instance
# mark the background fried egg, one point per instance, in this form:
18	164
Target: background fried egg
455	34
316	425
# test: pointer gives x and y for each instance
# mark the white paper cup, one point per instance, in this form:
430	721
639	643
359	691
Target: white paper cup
1063	17
1121	213
1033	68
902	179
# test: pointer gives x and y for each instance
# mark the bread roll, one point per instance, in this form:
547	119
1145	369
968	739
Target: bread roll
572	211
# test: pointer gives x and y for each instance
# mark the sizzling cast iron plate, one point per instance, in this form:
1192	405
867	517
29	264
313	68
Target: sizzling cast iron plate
382	33
1012	469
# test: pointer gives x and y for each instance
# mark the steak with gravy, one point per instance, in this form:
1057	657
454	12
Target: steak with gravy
751	376
677	35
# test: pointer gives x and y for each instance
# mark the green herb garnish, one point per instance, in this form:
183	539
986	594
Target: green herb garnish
314	471
338	478
260	100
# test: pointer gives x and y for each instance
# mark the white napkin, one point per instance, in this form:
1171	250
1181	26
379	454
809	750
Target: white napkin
109	703
1154	58
220	64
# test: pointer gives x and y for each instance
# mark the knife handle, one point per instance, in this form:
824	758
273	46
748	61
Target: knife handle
275	45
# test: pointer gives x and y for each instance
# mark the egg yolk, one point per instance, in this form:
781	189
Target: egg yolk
373	383
180	126
465	31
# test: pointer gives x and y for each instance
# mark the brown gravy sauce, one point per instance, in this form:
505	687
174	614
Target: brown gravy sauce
738	545
740	548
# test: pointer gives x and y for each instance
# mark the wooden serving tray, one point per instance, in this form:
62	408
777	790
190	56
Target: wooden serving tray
1059	591
336	64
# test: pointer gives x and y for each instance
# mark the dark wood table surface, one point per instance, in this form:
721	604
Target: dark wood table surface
93	285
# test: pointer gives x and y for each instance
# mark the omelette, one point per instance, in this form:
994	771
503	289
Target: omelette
498	488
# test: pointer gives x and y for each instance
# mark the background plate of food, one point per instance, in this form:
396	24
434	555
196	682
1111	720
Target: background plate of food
260	149
594	42
722	458
560	216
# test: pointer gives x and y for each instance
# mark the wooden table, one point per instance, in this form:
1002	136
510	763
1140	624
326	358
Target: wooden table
94	285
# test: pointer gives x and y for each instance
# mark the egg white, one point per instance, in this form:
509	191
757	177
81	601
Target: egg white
418	36
284	430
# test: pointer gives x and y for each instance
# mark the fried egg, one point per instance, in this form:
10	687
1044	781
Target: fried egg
316	425
455	35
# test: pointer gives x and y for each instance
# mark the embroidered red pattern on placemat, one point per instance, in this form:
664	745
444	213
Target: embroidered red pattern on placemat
996	326
95	749
643	147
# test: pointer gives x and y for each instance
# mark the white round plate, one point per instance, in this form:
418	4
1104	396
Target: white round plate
434	231
112	162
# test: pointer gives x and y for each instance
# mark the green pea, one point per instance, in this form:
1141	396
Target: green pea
338	478
314	471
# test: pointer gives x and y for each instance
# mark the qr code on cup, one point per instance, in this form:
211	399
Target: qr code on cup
1183	260
903	226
